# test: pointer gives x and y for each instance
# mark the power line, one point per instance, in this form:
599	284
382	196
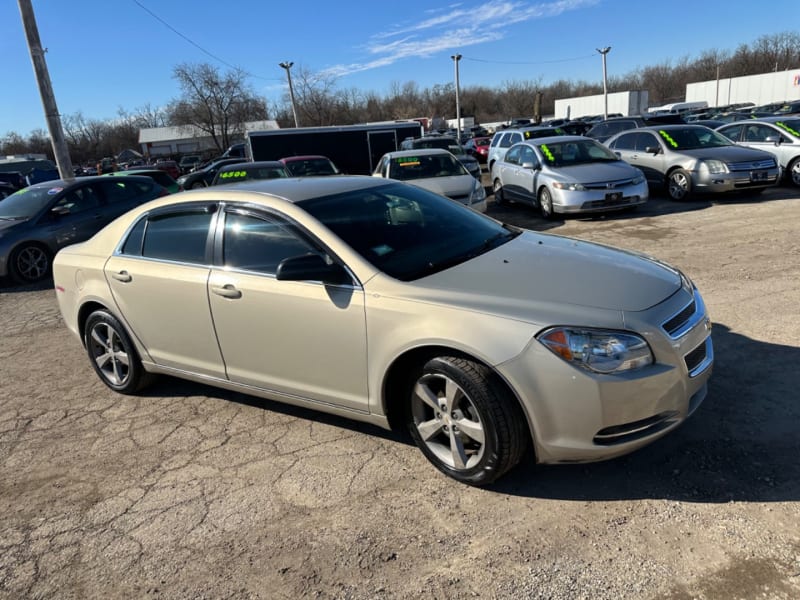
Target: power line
198	46
541	62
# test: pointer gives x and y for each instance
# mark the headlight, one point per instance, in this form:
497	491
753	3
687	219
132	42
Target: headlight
571	187
715	166
478	193
638	180
597	350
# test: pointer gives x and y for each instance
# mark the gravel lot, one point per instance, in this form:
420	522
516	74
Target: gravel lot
193	492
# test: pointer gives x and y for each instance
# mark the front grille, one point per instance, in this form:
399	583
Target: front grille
750	165
695	358
610	203
609	186
676	323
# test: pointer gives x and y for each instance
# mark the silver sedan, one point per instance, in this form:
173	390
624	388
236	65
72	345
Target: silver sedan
692	158
384	302
567	174
779	136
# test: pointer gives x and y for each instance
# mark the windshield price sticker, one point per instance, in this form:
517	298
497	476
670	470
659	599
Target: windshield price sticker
408	161
785	127
668	138
233	175
548	154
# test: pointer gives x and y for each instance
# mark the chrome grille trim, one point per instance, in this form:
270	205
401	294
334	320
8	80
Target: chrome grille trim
699	359
767	163
680	324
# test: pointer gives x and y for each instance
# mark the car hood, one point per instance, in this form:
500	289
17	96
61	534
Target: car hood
536	274
457	185
729	154
595	172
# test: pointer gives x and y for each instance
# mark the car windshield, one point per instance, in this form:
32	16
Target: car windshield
574	152
790	126
408	232
311	166
27	202
425	166
693	138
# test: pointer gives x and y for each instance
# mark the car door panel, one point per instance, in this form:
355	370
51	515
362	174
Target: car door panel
168	303
297	338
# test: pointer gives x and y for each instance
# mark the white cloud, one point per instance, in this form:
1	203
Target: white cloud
456	26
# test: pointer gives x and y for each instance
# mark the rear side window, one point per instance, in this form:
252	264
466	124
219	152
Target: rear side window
121	190
177	236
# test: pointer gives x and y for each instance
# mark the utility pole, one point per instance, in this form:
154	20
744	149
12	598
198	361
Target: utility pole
605	51
288	65
456	58
60	149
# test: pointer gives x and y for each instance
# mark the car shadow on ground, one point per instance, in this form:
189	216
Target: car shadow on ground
742	444
8	286
527	216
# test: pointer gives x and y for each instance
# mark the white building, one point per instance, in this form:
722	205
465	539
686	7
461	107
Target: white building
186	139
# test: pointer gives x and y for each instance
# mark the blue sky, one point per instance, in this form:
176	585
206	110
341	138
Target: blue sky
103	55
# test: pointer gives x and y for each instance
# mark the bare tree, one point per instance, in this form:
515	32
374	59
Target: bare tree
216	103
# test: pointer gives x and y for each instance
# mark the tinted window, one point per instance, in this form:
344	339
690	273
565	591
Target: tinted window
177	236
79	199
512	156
133	245
625	142
121	190
733	132
505	141
260	243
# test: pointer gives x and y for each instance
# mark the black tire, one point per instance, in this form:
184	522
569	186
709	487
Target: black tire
113	355
497	190
197	185
545	201
679	185
30	263
465	421
793	172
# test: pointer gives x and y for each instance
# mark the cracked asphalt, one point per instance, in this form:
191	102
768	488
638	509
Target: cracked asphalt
191	492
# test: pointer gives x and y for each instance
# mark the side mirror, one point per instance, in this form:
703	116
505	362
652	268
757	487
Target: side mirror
774	139
59	211
311	267
653	149
530	165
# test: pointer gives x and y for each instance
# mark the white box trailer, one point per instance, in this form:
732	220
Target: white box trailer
624	103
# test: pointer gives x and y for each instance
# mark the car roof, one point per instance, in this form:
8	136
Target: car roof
286	159
552	139
64	183
292	189
418	152
257	164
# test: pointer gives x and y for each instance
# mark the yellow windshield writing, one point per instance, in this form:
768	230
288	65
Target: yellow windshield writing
548	154
668	138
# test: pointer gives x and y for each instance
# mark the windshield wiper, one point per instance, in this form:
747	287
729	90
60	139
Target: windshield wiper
488	244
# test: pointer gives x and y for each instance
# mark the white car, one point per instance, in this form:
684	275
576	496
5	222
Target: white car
435	170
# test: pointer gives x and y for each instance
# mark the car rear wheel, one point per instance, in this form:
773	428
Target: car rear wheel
465	421
197	185
679	185
793	170
112	354
546	203
30	263
497	189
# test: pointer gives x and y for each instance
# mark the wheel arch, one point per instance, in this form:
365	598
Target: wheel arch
396	378
85	310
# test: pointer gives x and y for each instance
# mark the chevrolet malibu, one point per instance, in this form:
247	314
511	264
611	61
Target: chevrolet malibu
387	303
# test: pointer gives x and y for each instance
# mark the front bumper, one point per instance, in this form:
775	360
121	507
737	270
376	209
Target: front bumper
568	202
736	180
579	416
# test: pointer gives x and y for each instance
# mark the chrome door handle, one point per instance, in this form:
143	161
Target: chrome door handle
122	276
226	291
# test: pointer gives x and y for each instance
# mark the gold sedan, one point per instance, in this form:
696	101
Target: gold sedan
386	303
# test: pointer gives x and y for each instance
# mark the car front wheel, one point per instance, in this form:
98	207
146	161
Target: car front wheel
546	203
497	189
112	353
465	421
679	185
794	172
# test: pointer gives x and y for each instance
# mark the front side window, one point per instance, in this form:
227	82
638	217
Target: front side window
259	243
512	156
625	142
505	141
79	200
